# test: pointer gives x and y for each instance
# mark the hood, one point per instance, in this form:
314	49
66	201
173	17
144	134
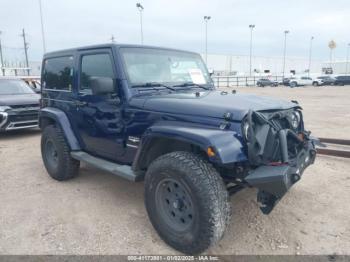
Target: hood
23	99
211	104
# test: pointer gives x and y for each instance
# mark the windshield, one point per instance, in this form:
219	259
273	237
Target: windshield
147	65
14	87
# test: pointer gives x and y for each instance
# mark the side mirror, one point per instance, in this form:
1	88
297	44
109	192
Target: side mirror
211	71
102	85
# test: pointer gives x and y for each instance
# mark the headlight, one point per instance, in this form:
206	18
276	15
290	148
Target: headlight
246	130
4	108
295	119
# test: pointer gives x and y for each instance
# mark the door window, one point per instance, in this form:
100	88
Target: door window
58	73
96	65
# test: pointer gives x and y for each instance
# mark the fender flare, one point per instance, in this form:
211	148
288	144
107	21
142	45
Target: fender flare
226	144
60	117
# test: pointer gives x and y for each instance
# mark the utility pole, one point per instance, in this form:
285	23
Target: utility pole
284	51
250	53
206	19
42	27
310	53
25	45
1	58
347	59
140	8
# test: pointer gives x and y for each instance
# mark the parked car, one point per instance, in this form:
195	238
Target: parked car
342	80
266	82
153	114
300	81
19	105
323	80
285	81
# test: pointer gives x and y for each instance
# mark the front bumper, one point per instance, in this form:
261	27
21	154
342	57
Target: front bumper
273	181
278	153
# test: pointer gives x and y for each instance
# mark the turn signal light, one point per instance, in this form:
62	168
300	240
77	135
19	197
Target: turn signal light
210	152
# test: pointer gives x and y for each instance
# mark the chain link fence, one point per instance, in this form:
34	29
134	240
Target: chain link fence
235	81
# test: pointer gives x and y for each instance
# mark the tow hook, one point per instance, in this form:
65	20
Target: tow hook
267	201
295	178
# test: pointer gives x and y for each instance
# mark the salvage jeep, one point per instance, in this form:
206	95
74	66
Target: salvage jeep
153	114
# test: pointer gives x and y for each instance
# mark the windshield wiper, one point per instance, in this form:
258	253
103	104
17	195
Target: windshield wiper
192	84
154	84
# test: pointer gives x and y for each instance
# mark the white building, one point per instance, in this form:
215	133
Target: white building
339	67
239	65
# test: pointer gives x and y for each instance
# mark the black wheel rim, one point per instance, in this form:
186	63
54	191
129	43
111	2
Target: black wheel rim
175	205
51	154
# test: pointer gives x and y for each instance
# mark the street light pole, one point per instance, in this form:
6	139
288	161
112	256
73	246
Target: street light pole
284	51
310	53
250	53
42	27
347	59
1	58
140	8
206	19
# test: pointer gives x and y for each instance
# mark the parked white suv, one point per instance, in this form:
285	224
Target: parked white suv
300	81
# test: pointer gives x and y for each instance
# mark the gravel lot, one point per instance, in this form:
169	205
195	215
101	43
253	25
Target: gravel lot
98	213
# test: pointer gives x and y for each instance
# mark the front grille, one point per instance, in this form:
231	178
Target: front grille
272	138
22	114
25	106
24	117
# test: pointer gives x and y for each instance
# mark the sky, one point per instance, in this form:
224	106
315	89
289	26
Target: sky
179	24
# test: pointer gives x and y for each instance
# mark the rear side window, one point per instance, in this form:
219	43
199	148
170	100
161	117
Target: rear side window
96	65
58	73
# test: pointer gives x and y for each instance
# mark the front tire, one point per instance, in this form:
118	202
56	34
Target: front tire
315	83
293	84
186	201
56	154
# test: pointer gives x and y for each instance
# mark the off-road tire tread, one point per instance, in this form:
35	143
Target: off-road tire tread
68	166
213	194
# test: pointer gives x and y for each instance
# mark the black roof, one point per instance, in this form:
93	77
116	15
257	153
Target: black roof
72	50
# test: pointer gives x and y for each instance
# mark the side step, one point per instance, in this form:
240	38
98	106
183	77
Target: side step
123	171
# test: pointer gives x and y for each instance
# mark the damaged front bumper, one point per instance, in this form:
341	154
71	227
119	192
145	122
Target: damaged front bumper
274	179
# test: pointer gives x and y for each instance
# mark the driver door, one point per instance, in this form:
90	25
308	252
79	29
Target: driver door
98	114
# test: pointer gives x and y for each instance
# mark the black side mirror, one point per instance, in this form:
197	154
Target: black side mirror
102	85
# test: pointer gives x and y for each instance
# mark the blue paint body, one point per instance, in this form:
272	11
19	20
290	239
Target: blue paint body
193	116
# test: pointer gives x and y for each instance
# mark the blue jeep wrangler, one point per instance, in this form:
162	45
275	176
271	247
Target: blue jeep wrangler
153	114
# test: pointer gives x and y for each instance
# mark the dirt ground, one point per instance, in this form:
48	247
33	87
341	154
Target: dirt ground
98	213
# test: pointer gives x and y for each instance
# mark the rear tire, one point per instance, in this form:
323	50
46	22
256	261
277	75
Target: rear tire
315	84
186	201
55	153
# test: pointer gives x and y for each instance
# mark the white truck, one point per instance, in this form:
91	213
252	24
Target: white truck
300	81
